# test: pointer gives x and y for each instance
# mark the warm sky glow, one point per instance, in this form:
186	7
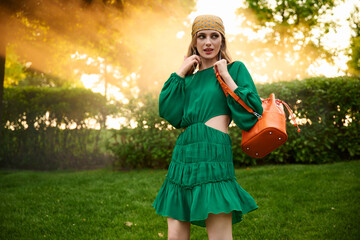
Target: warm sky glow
336	40
135	49
339	39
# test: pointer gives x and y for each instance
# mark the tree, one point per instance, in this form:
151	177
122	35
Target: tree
289	45
3	30
354	62
290	13
46	33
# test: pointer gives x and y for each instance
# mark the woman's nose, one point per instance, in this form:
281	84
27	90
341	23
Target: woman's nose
208	42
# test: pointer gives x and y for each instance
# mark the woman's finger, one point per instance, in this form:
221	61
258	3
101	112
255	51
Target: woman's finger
198	59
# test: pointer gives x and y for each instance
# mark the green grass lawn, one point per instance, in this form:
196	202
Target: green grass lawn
295	202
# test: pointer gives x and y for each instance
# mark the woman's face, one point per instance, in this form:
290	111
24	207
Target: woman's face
208	43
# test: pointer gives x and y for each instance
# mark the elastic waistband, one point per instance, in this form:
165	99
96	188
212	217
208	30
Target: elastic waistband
201	132
197	123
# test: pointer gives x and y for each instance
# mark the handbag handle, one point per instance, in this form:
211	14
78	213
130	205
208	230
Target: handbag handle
227	91
292	115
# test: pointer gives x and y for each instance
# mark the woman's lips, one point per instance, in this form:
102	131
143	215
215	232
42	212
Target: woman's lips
208	50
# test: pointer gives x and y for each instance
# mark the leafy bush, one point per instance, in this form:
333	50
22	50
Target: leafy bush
330	107
150	143
327	107
45	128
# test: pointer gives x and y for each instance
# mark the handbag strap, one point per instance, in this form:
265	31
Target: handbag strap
227	91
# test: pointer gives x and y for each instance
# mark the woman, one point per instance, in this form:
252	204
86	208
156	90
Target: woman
200	187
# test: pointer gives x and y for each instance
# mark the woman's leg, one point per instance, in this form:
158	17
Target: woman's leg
219	226
178	230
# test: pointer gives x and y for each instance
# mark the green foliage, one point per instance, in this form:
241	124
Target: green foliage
295	202
290	12
294	32
14	70
103	34
40	79
45	128
150	143
354	62
59	106
330	108
327	109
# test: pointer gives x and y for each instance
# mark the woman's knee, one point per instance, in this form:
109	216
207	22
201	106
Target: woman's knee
219	226
178	230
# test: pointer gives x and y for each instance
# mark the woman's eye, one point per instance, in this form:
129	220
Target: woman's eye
215	36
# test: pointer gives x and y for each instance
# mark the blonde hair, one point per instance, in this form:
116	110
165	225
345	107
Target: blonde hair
223	49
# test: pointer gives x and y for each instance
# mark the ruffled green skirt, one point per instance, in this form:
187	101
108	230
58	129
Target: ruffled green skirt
201	179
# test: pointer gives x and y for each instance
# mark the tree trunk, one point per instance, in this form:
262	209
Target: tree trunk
103	122
2	71
2	75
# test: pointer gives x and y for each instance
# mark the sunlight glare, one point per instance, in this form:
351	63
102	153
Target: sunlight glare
261	78
322	67
340	37
180	34
90	80
115	122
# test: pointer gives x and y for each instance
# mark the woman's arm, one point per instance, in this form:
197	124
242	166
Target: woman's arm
172	96
172	100
242	84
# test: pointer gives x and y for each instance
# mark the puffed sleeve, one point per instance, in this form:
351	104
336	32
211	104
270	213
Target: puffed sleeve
172	99
246	90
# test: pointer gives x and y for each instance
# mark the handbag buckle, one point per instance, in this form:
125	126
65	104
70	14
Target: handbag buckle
257	115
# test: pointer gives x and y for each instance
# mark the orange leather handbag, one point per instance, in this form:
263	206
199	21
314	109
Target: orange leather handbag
269	132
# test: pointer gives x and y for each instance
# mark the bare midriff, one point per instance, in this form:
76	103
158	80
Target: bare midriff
220	123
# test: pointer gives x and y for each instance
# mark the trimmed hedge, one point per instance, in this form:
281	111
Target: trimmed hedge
328	107
150	143
45	128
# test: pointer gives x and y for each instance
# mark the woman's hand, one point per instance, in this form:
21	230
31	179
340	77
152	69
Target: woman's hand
224	73
222	68
187	64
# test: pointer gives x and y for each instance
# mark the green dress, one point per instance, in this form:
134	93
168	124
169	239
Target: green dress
201	177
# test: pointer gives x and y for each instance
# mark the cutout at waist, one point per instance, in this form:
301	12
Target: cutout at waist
220	122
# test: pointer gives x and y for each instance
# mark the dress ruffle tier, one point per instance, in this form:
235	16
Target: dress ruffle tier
201	179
